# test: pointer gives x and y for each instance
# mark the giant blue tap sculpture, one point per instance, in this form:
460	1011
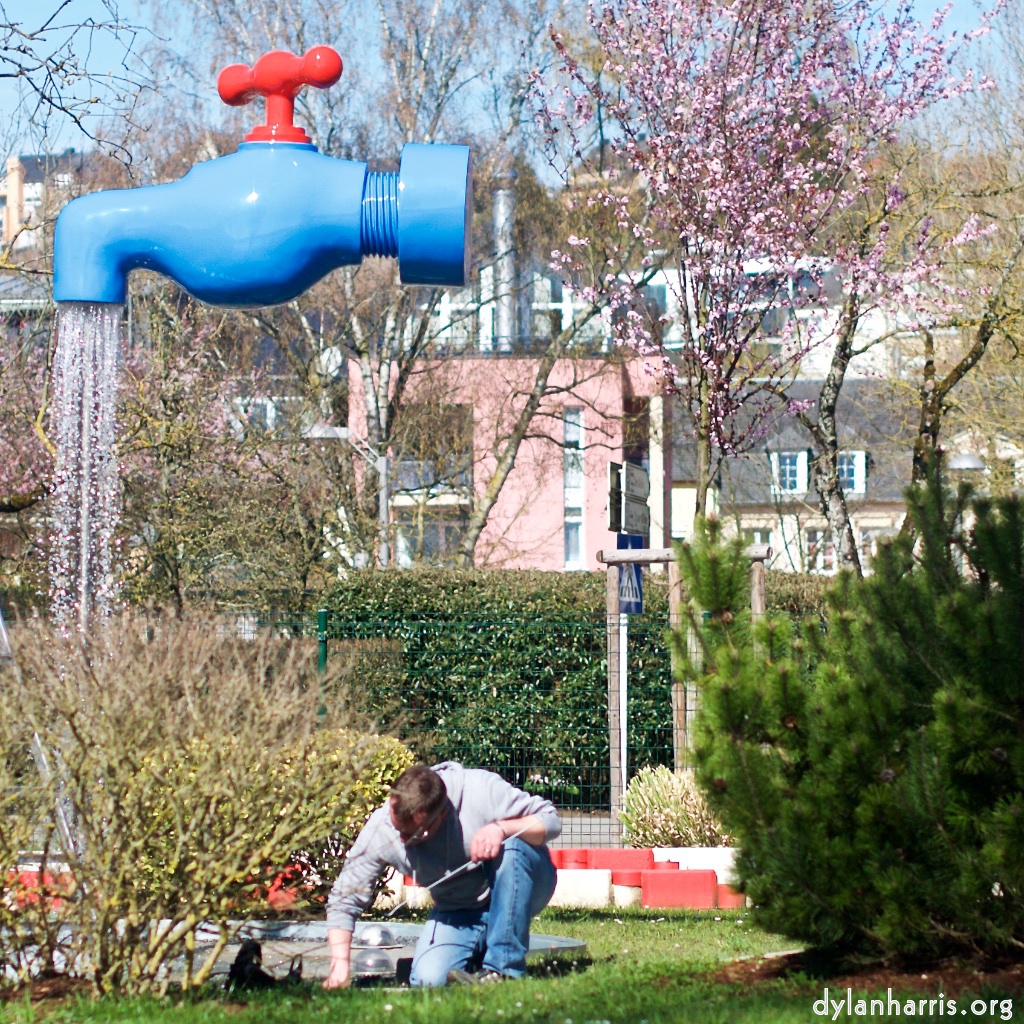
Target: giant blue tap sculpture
261	226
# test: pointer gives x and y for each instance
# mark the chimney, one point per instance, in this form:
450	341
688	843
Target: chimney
504	264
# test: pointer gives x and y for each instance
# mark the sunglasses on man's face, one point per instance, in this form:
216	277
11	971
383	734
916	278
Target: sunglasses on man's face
418	834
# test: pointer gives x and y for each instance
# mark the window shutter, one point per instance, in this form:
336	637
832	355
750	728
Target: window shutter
803	480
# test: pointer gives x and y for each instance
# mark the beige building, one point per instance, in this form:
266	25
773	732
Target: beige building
29	187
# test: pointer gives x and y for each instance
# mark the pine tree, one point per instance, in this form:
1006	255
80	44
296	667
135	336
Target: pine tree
872	768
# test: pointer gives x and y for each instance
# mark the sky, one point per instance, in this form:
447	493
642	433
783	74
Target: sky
99	52
105	53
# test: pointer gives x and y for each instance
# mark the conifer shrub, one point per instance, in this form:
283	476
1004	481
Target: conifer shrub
872	773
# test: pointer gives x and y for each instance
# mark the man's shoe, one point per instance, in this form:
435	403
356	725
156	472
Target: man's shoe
457	976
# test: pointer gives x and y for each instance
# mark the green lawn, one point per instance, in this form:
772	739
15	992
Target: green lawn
640	966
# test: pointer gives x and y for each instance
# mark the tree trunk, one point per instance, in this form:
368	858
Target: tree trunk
831	499
702	444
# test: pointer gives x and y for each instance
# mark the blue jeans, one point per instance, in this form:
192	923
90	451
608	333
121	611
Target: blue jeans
522	879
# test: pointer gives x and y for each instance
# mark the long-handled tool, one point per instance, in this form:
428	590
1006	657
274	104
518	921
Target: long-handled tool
468	866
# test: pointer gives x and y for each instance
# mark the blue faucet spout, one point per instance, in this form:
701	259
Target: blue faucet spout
259	227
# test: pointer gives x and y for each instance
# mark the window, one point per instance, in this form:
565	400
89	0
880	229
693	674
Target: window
572	427
427	534
573	439
853	472
774	321
651	303
869	546
819	553
574	538
573	470
433	449
759	536
281	415
789	472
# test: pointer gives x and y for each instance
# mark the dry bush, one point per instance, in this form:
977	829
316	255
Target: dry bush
193	766
666	808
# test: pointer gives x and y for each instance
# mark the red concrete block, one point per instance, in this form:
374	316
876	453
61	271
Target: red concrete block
730	899
24	888
667	865
621	860
575	858
626	877
556	857
697	890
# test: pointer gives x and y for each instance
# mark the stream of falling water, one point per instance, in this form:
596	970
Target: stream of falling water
86	500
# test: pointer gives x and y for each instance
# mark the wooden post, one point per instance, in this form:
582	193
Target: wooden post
675	621
684	696
758	600
615	767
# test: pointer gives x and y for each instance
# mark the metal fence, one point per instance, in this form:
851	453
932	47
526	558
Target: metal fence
526	699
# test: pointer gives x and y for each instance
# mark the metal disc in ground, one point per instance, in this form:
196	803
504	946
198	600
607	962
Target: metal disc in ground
374	934
371	961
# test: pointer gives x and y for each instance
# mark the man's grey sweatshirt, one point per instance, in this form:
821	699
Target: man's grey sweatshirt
477	798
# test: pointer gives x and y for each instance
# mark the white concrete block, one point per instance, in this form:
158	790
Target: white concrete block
720	859
626	895
582	887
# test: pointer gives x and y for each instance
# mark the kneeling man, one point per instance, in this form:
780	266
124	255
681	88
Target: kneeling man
438	820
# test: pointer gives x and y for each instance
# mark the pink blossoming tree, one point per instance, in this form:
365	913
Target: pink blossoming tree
743	143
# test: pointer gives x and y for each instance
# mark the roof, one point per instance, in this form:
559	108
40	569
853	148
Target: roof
873	416
38	167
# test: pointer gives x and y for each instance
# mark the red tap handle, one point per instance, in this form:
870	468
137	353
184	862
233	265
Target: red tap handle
279	75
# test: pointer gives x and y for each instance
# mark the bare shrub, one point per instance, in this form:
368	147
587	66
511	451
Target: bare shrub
193	766
666	808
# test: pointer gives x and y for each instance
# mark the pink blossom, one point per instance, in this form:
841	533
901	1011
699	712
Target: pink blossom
741	134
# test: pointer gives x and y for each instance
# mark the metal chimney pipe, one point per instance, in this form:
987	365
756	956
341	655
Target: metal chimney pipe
504	264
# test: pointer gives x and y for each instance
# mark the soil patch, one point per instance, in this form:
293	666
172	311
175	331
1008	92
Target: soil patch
54	986
951	978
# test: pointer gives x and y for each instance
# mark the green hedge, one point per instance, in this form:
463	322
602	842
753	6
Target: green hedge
507	669
487	594
480	595
801	595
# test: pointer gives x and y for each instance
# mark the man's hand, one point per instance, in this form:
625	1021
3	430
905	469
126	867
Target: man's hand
339	976
340	943
486	844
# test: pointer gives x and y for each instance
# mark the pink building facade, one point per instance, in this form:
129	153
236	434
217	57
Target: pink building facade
552	510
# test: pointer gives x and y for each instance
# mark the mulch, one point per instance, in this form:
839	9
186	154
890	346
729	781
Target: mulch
950	977
48	987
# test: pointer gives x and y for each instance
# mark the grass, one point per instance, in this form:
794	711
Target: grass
640	966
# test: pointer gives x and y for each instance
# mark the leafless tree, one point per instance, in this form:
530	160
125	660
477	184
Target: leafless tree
64	64
427	72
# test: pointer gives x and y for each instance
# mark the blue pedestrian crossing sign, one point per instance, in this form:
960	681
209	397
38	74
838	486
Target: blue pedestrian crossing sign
631	591
631	594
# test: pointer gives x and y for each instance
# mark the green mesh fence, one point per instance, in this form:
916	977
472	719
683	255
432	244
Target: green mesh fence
526	699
